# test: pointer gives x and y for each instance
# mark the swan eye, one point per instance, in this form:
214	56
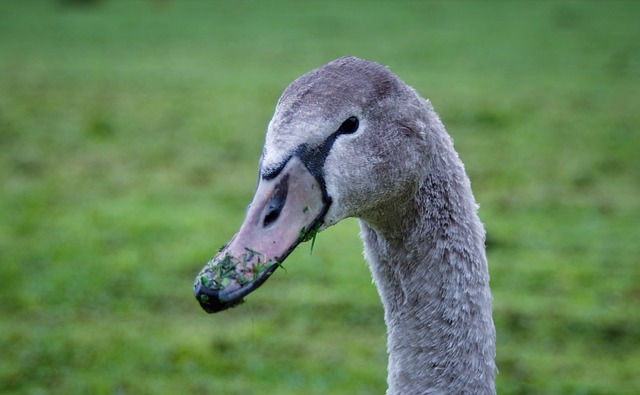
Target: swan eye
349	126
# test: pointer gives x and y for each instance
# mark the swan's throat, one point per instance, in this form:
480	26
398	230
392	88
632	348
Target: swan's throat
431	273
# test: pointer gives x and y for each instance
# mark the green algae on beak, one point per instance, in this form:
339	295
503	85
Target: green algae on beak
220	273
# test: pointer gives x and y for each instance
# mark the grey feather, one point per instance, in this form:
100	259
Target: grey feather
400	175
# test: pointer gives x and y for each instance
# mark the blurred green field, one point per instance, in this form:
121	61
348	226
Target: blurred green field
129	138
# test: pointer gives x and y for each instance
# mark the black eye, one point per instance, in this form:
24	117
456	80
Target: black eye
350	125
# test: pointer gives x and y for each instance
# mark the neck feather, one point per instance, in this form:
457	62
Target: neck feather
430	268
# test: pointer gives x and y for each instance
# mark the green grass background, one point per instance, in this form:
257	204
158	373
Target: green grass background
129	138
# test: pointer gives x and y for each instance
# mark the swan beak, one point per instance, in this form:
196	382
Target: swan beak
286	210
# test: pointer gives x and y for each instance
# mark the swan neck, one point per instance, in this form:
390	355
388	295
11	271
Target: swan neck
431	272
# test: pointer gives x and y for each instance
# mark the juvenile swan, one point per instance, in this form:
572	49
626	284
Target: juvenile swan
350	139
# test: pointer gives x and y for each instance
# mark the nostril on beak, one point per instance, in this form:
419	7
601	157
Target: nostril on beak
272	215
275	205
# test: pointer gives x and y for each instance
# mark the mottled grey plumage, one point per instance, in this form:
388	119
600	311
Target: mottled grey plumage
400	175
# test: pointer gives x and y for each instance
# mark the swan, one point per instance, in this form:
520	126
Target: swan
350	139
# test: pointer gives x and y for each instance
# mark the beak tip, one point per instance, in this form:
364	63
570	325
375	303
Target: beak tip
209	299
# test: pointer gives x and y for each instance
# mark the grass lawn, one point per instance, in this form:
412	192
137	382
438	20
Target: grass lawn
129	138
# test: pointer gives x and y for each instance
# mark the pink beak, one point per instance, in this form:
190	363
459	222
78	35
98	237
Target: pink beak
286	210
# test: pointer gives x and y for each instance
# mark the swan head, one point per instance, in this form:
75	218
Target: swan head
346	140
